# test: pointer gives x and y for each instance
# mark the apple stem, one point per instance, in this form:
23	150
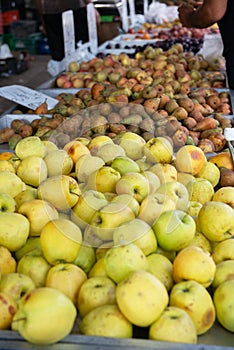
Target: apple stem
20	319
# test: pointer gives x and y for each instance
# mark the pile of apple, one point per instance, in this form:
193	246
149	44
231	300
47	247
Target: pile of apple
116	233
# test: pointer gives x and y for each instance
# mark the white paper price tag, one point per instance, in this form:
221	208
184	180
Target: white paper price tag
124	16
145	7
69	37
26	97
92	28
132	12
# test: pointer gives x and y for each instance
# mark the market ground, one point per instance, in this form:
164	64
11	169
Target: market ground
34	76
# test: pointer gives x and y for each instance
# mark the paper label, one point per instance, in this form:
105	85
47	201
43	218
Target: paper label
69	37
26	97
145	7
124	16
92	28
132	12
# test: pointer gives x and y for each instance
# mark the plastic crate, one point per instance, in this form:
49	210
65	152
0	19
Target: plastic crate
30	43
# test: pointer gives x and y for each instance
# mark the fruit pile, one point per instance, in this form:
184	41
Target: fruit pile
117	233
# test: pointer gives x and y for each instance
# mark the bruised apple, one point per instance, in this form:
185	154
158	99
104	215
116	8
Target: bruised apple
190	159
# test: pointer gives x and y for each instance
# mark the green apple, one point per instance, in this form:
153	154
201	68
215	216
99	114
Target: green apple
177	192
38	212
129	200
86	165
96	142
8	308
32	245
153	180
106	219
58	162
210	172
14	230
158	150
94	292
124	164
225	195
103	179
141	297
200	190
120	260
66	188
30	146
89	202
194	263
165	172
7	261
31	319
216	221
7	203
11	183
161	267
195	299
153	206
133	144
66	277
224	303
86	257
223	250
138	232
32	170
224	271
26	195
35	266
143	165
60	241
174	230
173	325
109	151
106	321
133	183
17	285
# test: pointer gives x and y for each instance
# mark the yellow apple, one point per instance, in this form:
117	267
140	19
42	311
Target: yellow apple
224	303
66	277
30	146
109	151
199	240
153	205
14	230
121	260
173	325
26	195
106	321
10	183
216	221
103	179
195	299
17	285
190	159
193	208
58	162
153	180
194	263
35	266
138	232
225	195
129	200
32	245
224	271
38	212
7	261
177	192
94	292
6	165
8	308
98	269
7	203
224	250
50	146
96	142
161	267
210	172
75	149
165	172
141	297
86	165
158	150
60	241
133	144
135	184
174	230
200	190
31	319
66	188
32	170
184	178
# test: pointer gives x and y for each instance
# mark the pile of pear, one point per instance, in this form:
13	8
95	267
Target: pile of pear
101	238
